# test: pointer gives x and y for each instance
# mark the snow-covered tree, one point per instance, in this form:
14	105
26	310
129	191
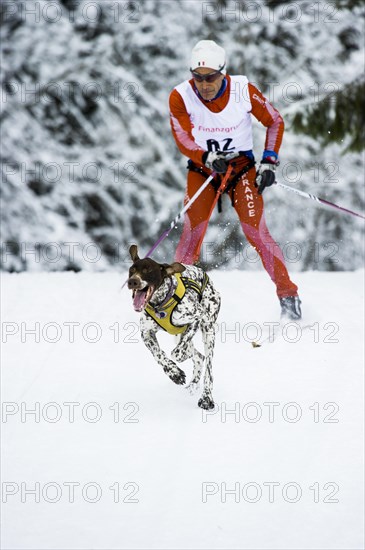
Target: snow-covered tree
88	161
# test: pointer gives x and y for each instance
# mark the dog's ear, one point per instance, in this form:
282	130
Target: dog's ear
176	267
133	251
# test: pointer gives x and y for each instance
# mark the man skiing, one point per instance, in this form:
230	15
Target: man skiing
211	119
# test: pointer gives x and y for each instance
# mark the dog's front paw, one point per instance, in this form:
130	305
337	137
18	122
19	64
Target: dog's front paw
177	375
206	402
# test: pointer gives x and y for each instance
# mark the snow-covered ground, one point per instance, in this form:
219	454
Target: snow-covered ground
114	455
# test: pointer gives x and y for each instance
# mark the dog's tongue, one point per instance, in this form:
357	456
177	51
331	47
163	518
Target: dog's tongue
139	300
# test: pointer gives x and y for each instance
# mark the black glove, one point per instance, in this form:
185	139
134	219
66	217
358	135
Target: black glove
218	160
265	176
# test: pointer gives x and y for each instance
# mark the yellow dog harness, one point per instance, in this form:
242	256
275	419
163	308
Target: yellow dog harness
162	313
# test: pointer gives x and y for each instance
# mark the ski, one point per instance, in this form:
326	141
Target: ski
276	330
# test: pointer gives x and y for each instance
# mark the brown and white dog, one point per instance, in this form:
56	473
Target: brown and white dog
179	299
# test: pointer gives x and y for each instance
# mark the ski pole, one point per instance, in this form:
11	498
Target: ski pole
181	213
318	199
165	234
162	237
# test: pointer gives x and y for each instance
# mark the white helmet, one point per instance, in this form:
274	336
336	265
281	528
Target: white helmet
207	53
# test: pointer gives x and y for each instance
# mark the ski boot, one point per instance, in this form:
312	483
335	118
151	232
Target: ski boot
290	308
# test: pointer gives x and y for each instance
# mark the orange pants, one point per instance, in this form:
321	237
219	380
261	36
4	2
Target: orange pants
249	206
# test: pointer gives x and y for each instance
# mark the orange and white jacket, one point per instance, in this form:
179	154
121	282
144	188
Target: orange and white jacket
223	123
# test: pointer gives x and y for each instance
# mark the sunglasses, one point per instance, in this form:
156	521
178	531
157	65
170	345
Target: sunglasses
211	77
